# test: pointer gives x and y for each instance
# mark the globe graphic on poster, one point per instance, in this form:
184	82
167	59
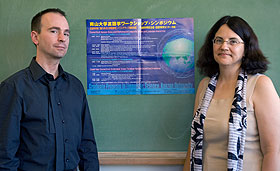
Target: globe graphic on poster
177	54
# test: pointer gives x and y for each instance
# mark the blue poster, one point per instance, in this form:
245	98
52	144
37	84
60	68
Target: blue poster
140	56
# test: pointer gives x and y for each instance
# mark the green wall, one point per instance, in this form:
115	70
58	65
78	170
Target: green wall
135	122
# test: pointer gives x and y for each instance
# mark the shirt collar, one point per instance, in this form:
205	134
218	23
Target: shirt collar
37	71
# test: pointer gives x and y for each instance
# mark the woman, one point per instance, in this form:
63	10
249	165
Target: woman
236	124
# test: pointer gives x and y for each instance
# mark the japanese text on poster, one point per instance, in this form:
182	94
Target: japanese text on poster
140	56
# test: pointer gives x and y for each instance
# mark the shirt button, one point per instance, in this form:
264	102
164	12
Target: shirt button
66	140
63	121
67	160
58	103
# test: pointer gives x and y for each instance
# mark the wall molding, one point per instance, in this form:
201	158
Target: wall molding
142	158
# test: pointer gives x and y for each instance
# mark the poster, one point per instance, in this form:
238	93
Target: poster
140	56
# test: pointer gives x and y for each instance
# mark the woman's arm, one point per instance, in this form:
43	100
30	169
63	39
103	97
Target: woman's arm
187	161
199	90
267	110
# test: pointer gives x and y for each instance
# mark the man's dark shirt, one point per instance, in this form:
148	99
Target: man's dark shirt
45	124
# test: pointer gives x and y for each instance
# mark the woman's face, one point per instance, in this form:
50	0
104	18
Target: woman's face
228	48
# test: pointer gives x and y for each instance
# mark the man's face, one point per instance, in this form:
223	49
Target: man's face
53	40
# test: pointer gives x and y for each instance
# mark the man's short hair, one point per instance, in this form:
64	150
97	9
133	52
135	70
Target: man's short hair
36	20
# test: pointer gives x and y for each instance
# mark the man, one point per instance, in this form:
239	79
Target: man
45	121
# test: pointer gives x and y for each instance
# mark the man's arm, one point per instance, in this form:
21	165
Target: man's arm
10	115
88	150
